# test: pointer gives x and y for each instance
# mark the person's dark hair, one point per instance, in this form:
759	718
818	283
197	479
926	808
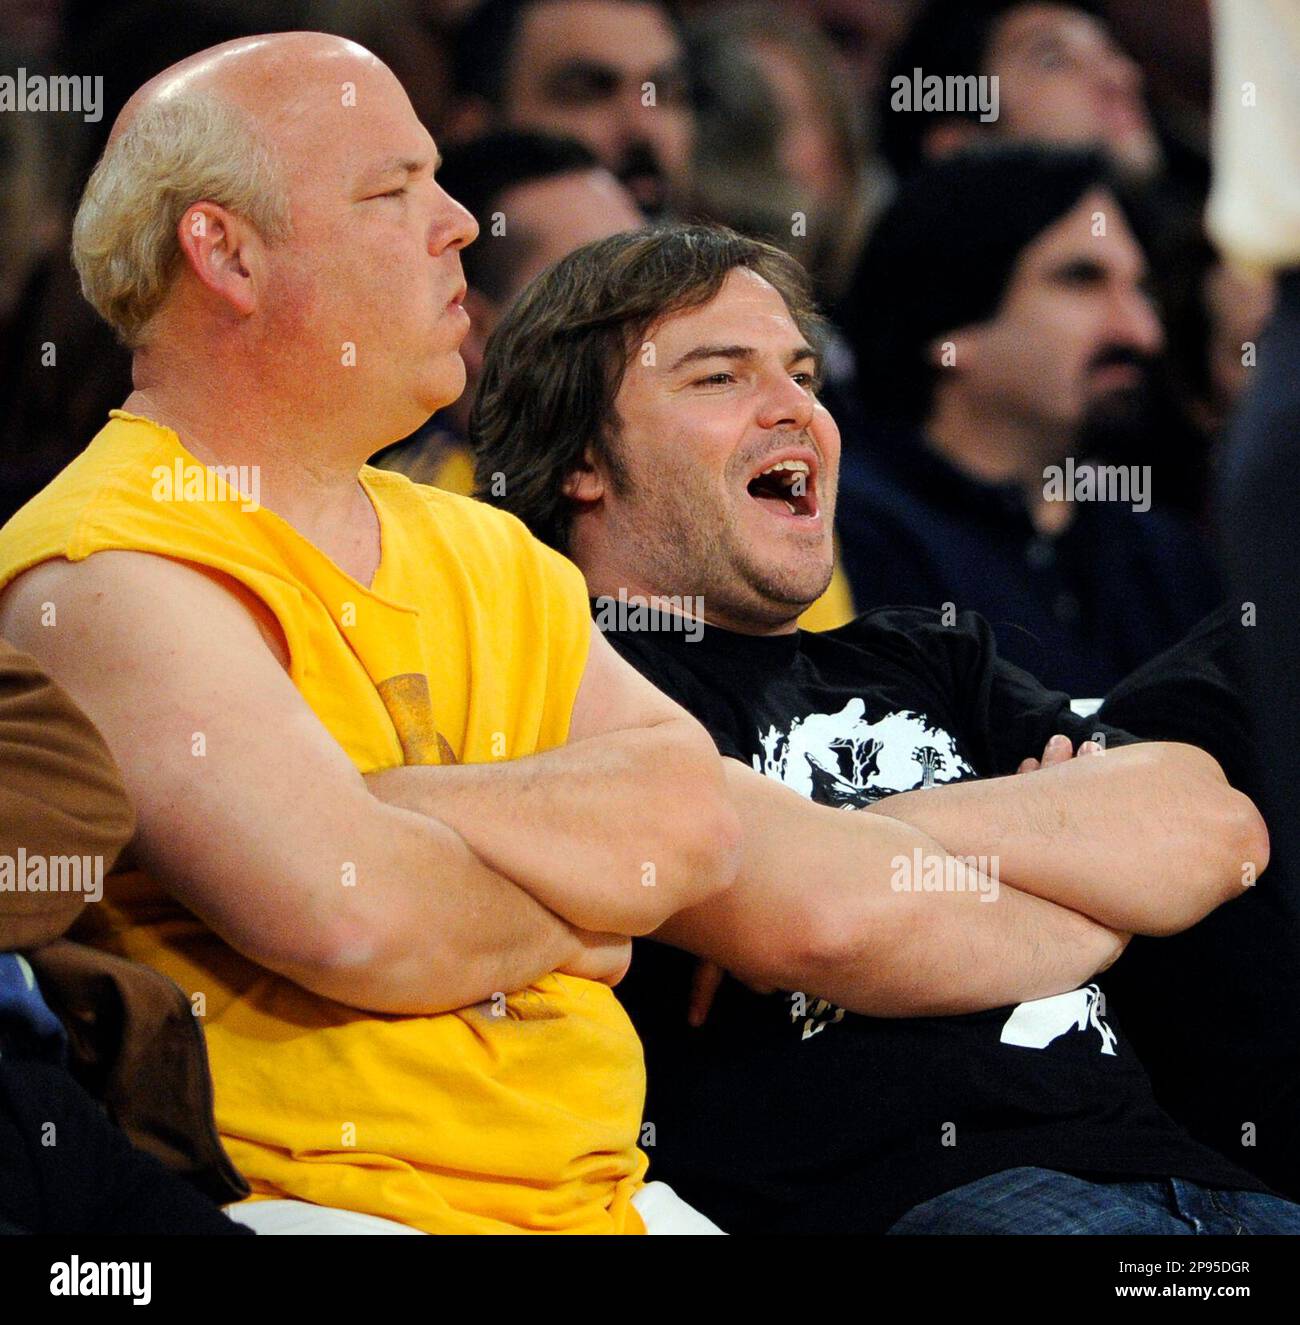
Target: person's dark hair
950	38
942	254
478	172
554	364
484	44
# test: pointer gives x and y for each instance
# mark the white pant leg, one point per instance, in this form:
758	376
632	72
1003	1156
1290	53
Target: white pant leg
663	1211
303	1217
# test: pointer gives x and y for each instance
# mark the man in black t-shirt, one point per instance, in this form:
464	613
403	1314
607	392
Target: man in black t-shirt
917	1039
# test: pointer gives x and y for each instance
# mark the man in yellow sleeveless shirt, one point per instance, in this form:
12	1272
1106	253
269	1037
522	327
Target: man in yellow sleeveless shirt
399	809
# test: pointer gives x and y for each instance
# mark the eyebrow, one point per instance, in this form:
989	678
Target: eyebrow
743	352
406	165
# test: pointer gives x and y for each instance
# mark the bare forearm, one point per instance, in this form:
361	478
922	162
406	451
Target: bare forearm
613	833
832	904
1146	839
416	923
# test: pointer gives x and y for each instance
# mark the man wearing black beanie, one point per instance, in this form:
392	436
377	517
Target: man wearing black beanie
1002	330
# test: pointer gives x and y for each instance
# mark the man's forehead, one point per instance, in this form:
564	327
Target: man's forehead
610	33
1021	27
1094	228
747	306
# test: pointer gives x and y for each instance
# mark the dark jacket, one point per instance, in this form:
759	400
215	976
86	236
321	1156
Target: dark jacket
132	1039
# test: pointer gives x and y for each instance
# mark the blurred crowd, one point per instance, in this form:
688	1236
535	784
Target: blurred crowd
806	124
1051	309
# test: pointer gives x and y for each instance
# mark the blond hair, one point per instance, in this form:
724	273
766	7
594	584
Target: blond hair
178	151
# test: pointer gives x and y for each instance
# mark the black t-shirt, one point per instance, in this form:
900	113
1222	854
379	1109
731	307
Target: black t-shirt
786	1114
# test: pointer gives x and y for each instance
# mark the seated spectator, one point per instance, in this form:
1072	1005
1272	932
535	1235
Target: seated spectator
1061	79
66	1167
607	72
363	722
704	479
1003	334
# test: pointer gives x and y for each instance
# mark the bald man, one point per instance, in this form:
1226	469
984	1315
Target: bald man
399	808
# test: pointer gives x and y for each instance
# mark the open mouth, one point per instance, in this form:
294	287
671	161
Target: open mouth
786	488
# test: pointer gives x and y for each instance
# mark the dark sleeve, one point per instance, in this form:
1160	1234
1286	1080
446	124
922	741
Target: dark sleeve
1005	714
1189	693
679	683
60	795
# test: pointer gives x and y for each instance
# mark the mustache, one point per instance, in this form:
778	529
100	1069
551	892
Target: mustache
1119	356
639	160
778	444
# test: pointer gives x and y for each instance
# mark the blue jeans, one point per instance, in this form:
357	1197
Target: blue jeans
1031	1200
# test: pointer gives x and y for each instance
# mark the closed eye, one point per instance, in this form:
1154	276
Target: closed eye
392	193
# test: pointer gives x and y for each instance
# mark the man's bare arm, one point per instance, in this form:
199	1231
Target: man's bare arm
1146	838
253	816
617	830
814	909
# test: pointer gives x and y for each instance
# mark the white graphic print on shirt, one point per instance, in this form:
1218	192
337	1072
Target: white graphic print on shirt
840	759
1036	1024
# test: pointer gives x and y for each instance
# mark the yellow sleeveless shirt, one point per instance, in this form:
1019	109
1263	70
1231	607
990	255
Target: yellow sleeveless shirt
469	646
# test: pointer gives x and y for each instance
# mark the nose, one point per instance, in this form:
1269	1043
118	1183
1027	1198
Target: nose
784	403
453	226
1120	75
1134	321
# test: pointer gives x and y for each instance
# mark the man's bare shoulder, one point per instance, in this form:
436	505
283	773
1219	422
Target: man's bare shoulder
102	601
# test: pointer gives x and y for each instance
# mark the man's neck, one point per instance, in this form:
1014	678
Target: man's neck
299	476
999	449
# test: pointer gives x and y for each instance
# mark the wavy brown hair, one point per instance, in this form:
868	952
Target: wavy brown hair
554	364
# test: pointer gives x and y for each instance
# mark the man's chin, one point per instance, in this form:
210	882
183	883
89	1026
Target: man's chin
792	592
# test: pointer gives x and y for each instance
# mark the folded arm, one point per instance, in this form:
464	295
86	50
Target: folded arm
1146	838
814	908
626	824
252	815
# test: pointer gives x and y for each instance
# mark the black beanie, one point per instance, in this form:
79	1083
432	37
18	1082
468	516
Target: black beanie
941	256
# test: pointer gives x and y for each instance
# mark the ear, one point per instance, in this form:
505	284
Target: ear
584	483
223	251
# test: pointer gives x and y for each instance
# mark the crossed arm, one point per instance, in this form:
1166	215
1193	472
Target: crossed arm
1147	839
254	834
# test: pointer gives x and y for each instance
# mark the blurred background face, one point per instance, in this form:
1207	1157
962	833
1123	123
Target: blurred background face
373	260
865	33
546	220
810	153
551	217
1075	330
579	68
730	394
1063	80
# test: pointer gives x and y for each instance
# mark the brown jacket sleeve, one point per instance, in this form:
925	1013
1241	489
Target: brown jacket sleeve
60	795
